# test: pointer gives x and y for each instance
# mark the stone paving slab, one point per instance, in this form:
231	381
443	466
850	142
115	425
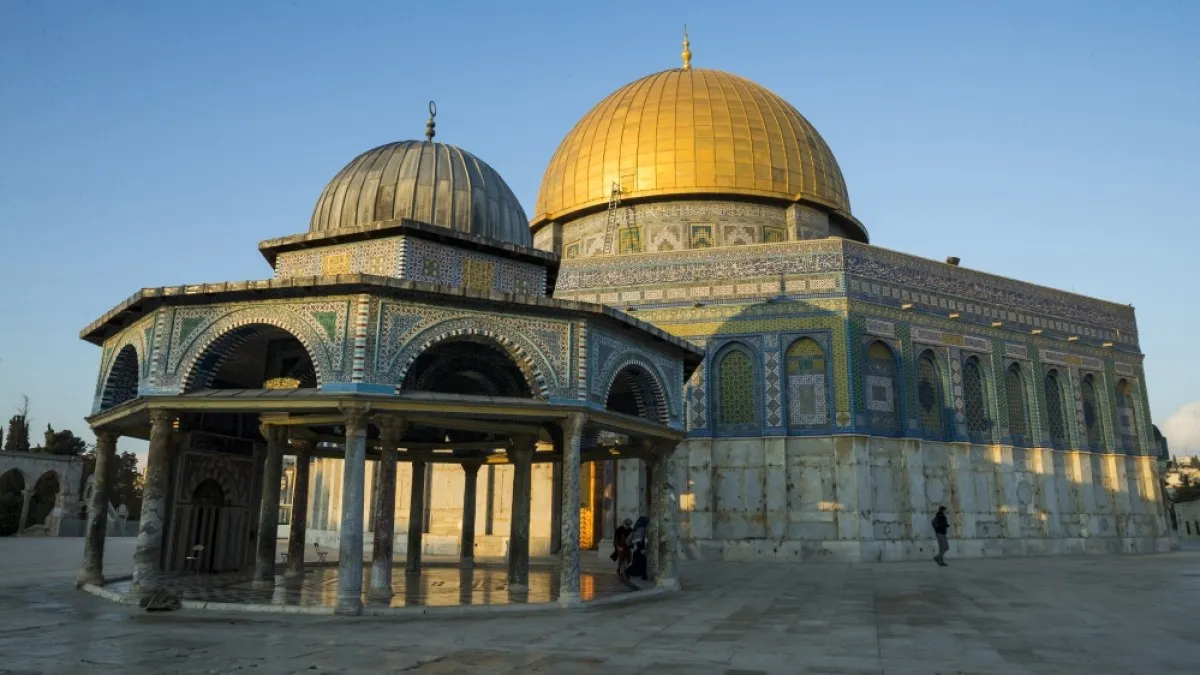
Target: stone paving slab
1119	614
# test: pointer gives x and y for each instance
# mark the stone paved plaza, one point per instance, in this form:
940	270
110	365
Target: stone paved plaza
1123	614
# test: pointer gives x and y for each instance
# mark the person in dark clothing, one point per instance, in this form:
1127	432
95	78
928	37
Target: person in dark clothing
637	547
940	527
621	553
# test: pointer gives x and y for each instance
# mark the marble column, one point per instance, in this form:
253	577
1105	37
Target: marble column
26	495
147	553
662	517
416	518
556	508
568	559
92	571
650	496
268	506
350	551
521	456
390	431
299	525
466	549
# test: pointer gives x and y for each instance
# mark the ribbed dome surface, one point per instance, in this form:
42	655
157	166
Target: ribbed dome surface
424	181
690	132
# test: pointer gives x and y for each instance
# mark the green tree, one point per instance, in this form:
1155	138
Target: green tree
126	484
62	443
18	429
1194	462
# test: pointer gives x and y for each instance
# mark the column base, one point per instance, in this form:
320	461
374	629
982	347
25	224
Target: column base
263	584
348	606
670	583
94	577
518	586
380	594
568	599
293	573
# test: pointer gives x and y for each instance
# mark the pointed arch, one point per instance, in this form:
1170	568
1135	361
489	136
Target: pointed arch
1093	436
532	363
736	402
1056	423
121	382
807	391
931	397
1018	409
635	389
975	403
220	347
882	404
1127	420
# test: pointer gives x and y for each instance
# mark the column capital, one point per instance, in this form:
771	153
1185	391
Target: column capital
357	417
161	416
274	433
472	467
301	443
391	429
573	424
106	437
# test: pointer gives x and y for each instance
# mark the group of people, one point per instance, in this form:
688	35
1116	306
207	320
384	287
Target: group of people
629	543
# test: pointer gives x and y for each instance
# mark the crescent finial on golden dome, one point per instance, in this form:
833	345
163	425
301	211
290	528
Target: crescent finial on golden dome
430	125
687	50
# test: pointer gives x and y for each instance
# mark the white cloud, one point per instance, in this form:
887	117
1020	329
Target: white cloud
1182	430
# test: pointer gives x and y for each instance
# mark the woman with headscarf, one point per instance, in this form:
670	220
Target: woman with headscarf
637	547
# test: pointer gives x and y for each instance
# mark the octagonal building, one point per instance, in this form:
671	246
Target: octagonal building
847	390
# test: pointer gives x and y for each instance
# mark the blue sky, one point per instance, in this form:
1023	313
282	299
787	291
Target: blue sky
150	143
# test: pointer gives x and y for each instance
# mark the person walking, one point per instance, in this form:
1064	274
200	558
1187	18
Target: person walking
940	526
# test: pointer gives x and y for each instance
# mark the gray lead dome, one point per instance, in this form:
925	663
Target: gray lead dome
424	181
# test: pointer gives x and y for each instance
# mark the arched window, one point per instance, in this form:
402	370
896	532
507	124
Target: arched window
1127	418
737	409
807	407
1091	413
975	401
1018	414
930	402
882	409
1055	422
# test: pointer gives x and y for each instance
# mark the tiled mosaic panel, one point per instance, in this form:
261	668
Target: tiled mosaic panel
1014	394
735	390
378	256
1055	418
437	263
807	393
880	384
1091	413
974	402
609	354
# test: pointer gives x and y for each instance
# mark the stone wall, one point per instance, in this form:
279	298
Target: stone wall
861	498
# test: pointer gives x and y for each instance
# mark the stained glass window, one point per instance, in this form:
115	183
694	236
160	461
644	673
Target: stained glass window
735	391
929	395
975	401
1018	415
1127	417
881	388
1055	422
1091	413
806	384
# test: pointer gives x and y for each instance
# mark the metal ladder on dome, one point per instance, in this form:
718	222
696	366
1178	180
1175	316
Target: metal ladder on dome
614	205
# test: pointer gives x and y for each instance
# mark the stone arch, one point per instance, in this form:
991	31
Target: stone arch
122	379
12	483
47	491
216	473
539	374
645	385
206	355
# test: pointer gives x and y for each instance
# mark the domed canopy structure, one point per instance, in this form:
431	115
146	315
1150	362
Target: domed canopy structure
424	181
691	132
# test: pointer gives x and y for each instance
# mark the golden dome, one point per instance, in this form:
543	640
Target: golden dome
691	131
